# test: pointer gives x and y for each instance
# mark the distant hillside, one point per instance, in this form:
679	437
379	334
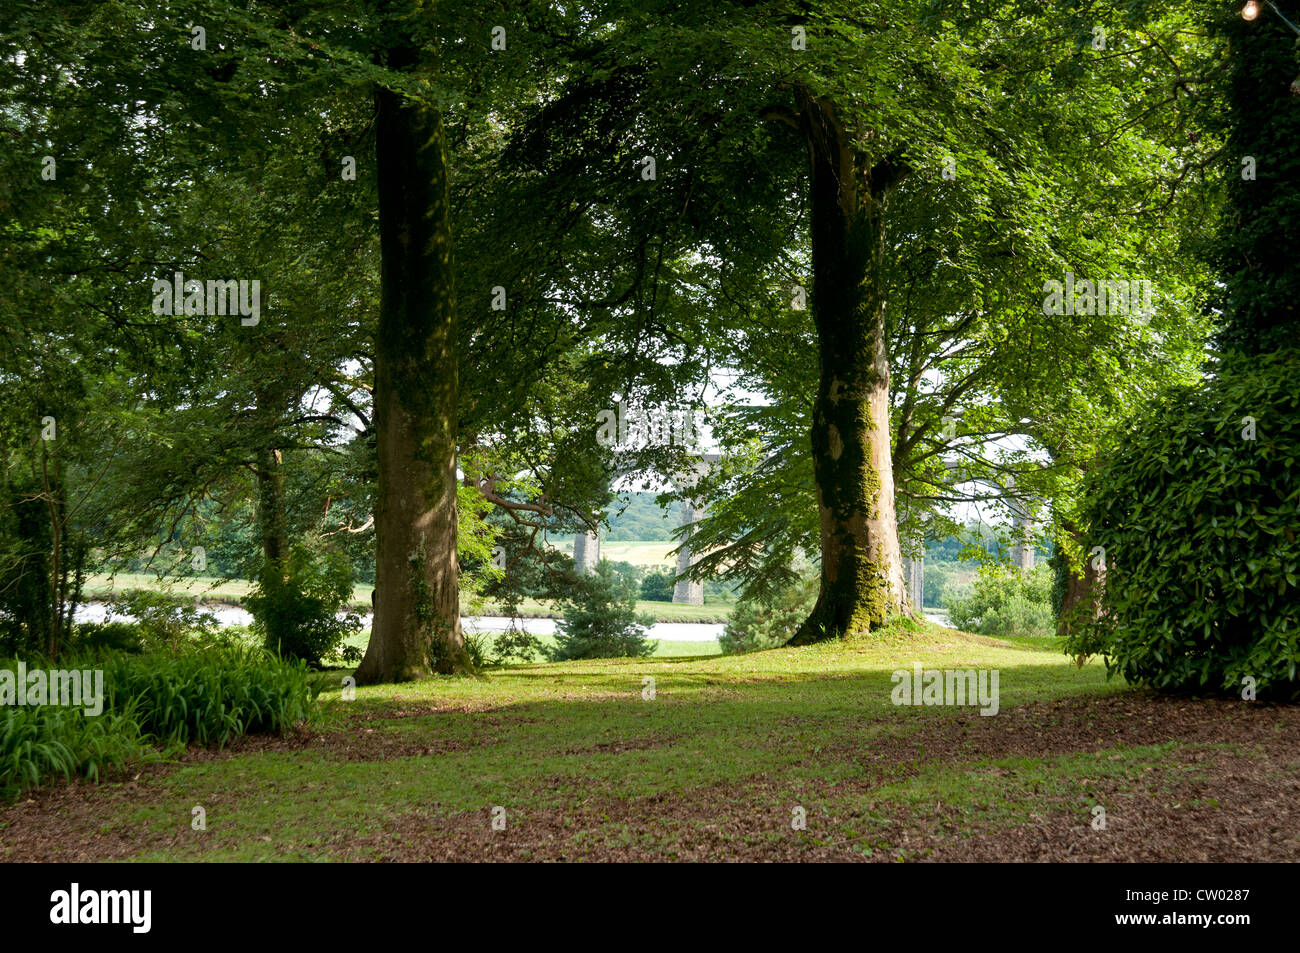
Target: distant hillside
642	521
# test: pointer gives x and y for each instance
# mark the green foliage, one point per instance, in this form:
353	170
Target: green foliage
209	696
476	539
477	650
636	517
514	644
205	696
1005	601
1253	248
601	621
757	624
657	587
159	619
298	616
98	638
1060	566
1201	532
937	575
41	743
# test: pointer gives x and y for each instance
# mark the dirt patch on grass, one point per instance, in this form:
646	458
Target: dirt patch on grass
1238	800
644	742
1078	724
1236	808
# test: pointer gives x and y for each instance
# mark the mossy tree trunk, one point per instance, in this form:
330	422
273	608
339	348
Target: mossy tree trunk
416	625
861	561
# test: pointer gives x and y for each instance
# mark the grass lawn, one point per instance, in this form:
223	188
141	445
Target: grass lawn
719	765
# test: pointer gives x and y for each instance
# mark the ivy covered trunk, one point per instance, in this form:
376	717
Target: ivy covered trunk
861	561
417	613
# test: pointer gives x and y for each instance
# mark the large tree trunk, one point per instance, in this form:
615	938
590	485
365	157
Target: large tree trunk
417	611
861	561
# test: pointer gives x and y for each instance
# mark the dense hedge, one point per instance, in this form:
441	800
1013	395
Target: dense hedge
1201	530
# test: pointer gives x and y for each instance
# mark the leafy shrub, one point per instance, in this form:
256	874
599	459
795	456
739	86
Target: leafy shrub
1201	530
478	649
1005	601
601	621
515	644
45	742
209	696
162	619
657	587
756	624
301	615
110	636
206	696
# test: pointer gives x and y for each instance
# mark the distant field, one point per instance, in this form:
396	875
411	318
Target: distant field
206	588
713	611
638	554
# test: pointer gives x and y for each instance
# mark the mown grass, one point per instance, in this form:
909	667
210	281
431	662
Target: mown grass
788	726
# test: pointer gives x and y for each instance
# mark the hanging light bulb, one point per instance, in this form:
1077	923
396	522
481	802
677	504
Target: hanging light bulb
1254	8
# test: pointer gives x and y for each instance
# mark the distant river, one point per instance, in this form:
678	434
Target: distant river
664	631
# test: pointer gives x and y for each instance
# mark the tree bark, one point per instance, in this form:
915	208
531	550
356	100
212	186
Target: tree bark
1081	603
271	517
861	561
273	527
416	625
53	491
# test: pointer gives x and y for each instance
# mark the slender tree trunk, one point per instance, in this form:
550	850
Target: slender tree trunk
417	608
271	516
861	561
53	489
1081	602
275	536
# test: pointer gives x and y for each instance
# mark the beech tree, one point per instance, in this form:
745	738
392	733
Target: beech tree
851	146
